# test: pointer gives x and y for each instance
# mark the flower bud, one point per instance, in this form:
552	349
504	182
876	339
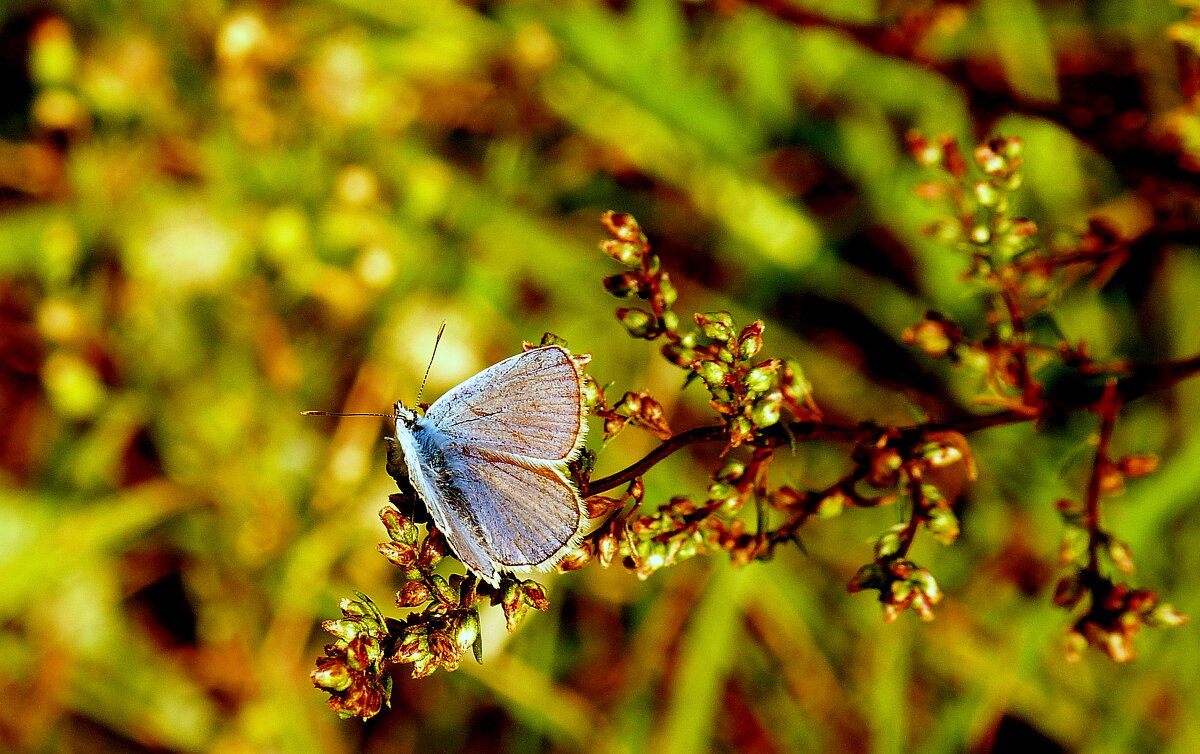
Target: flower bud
750	341
1138	464
766	411
628	254
442	590
731	471
331	674
433	550
623	227
761	378
399	528
669	294
716	325
623	285
402	556
637	321
988	161
740	430
714	373
468	630
412	594
534	595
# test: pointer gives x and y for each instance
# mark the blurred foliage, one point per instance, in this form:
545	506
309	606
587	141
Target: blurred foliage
213	216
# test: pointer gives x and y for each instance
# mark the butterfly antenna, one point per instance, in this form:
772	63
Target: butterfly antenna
430	366
334	413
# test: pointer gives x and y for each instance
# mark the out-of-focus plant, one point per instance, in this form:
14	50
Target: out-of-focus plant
763	405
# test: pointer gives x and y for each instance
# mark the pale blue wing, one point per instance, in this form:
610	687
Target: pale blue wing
503	515
528	405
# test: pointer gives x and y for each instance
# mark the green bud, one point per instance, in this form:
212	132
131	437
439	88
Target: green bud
988	161
629	405
924	581
720	491
468	630
1068	591
432	550
714	373
870	576
1120	554
593	394
331	675
986	194
795	385
716	325
731	471
740	430
766	411
345	629
1074	646
832	504
760	379
443	591
1165	614
669	294
623	226
534	595
670	320
750	340
889	542
943	525
399	528
637	321
401	556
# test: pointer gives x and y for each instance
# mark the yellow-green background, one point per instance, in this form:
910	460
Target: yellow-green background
215	215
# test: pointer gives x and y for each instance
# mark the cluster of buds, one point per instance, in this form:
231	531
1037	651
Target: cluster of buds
901	583
446	627
442	627
639	409
908	467
1115	614
352	670
677	531
751	394
516	597
644	278
980	223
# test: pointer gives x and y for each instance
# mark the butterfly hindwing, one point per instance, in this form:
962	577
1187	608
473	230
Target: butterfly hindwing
528	405
529	516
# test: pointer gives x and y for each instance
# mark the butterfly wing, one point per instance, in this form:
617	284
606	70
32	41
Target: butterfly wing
528	405
505	515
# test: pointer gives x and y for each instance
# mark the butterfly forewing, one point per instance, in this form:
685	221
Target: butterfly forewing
528	405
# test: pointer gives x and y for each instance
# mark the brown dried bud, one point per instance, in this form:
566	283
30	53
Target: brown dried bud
402	556
1137	465
412	594
433	550
535	595
623	227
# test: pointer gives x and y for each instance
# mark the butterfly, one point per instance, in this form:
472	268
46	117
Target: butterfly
489	460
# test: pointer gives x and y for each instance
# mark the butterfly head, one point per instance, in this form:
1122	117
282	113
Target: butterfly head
404	414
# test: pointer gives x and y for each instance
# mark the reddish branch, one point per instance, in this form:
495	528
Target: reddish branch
1140	380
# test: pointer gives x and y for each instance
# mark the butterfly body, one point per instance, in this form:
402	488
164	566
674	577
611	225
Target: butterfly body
489	460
